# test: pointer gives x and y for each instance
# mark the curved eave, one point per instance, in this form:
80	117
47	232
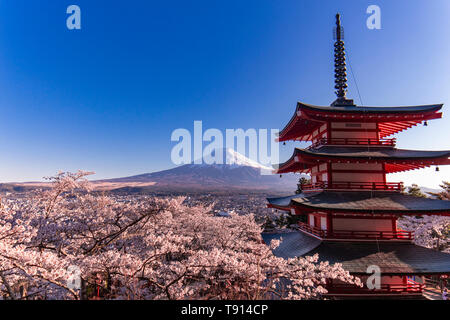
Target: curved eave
308	118
292	165
304	159
278	207
352	202
392	258
371	110
311	208
284	203
298	128
396	154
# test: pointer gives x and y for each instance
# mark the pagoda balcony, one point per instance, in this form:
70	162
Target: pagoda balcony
354	142
376	186
356	234
411	287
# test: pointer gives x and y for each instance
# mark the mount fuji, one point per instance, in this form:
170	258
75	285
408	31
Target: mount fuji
238	173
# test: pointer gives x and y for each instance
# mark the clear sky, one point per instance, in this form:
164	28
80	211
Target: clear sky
107	97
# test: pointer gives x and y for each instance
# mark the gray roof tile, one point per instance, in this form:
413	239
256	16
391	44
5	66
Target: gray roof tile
363	201
392	258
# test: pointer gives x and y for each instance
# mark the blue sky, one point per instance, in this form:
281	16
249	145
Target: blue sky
107	97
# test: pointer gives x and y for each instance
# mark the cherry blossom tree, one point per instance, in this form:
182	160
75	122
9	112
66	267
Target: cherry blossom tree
429	231
445	193
151	248
414	190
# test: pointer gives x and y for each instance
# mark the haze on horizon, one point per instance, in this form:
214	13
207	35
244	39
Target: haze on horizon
107	98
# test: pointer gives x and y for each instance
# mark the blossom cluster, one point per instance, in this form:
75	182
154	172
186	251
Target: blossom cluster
148	249
429	231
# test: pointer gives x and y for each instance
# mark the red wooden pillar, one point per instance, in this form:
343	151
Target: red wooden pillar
329	174
329	130
330	222
394	224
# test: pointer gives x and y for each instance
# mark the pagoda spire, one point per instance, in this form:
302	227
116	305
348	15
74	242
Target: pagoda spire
340	69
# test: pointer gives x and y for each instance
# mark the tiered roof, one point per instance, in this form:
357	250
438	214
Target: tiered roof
332	196
392	258
307	118
361	202
396	160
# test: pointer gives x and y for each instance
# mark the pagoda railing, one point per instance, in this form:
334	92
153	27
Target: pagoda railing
400	288
354	142
384	186
357	234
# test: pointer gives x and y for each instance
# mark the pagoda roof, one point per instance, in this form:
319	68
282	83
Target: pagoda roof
294	244
377	110
396	159
392	258
377	202
307	118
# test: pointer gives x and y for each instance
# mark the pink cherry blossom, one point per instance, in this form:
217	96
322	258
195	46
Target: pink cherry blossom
151	248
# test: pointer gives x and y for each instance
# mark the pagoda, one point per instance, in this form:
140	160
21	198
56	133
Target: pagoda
349	210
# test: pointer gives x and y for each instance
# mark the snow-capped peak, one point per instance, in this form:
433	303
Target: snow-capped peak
234	157
231	158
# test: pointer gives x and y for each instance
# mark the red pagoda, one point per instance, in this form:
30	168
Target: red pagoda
350	211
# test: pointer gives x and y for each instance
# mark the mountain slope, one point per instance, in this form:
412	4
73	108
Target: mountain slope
238	172
215	177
